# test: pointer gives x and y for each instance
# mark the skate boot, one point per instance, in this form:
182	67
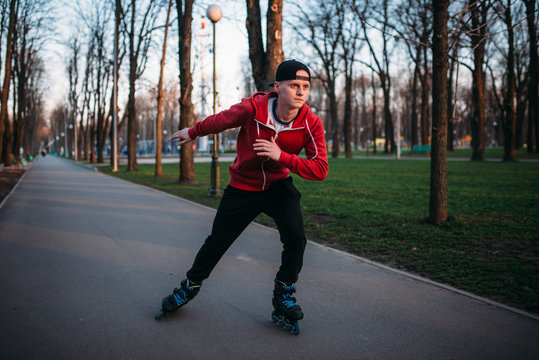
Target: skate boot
178	298
286	311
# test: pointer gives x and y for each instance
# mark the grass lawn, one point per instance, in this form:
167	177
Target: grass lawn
378	209
463	153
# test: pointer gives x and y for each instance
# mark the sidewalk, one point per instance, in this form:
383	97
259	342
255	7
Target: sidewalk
86	258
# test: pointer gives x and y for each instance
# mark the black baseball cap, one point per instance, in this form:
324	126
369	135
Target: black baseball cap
287	71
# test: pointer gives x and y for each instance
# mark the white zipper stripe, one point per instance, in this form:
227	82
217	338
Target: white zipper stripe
312	139
264	173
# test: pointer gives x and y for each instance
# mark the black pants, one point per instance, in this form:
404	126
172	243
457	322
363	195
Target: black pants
236	211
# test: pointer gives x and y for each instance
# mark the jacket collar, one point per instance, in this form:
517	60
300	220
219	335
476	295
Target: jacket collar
260	103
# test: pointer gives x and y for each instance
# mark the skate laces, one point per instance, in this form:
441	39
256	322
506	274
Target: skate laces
289	290
180	298
182	295
289	303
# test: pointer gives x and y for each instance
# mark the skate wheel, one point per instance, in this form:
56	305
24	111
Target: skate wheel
159	315
295	328
292	326
274	317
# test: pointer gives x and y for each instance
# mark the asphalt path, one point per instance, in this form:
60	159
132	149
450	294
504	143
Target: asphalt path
85	259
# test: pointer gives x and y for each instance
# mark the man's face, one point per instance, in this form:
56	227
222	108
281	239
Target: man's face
293	93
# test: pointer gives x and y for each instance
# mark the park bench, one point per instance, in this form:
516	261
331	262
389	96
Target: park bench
420	149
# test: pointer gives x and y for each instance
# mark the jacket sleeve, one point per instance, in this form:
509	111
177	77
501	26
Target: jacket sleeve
315	166
231	118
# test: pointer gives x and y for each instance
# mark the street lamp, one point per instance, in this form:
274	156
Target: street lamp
114	146
214	13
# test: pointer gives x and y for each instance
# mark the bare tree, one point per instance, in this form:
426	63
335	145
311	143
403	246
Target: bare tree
86	113
438	177
4	25
264	63
533	78
521	74
374	114
30	33
5	125
361	83
350	46
56	124
415	27
366	14
98	78
139	32
452	95
509	119
160	99
322	29
72	71
479	19
35	109
187	119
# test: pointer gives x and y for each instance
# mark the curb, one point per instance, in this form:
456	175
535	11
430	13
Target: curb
13	188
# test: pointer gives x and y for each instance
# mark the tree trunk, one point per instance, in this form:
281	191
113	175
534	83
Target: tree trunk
533	77
99	94
374	132
87	142
256	45
131	106
438	177
478	82
388	119
334	113
264	63
347	123
509	128
414	114
425	105
22	74
5	126
187	119
93	135
450	101
80	136
159	120
274	41
364	120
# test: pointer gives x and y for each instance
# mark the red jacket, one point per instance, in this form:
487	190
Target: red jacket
255	173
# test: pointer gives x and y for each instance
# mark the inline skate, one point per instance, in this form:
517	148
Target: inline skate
286	311
178	298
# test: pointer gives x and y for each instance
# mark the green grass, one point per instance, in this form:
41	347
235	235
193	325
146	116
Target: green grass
378	209
463	153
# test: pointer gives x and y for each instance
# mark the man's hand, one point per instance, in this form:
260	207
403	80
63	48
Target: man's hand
182	136
267	148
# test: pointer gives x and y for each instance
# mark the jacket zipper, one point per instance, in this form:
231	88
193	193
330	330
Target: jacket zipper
276	135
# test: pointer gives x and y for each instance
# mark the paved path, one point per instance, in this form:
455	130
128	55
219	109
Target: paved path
86	258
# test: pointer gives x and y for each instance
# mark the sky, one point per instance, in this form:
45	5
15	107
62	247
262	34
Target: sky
231	53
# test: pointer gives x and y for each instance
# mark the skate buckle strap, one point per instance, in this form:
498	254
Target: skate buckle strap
289	303
180	299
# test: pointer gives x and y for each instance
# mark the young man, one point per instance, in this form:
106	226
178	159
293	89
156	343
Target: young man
274	128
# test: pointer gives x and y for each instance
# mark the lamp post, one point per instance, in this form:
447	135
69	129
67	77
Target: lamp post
114	146
214	13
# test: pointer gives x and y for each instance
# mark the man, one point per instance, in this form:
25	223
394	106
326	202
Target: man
274	128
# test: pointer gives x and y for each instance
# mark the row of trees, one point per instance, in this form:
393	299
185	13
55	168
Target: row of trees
492	42
438	38
22	25
90	95
358	52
